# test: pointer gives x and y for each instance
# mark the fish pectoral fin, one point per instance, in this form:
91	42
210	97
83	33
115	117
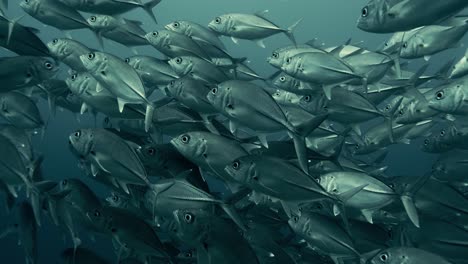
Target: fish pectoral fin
410	209
263	140
84	108
260	43
235	40
121	104
232	127
367	213
124	186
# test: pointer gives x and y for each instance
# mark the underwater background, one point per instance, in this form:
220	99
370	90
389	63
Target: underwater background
331	21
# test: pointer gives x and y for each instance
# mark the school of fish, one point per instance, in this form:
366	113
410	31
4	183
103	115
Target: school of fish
300	154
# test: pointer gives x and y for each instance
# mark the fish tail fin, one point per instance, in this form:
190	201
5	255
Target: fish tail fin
290	31
390	116
148	7
3	5
407	198
299	134
11	26
444	72
33	191
340	203
149	117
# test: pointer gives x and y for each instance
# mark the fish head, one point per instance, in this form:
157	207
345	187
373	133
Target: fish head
413	47
190	225
100	21
292	65
191	145
115	200
429	144
220	24
406	113
181	27
79	83
460	68
448	99
375	17
134	61
176	87
99	218
181	65
285	97
243	169
82	141
221	99
41	69
313	104
285	82
94	61
30	6
59	48
276	59
158	38
389	256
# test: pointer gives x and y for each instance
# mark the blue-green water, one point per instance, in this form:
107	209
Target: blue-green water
331	21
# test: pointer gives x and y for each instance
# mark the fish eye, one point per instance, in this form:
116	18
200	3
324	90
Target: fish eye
387	107
93	18
440	95
236	165
127	60
386	44
214	90
151	151
384	257
155	33
97	213
365	11
48	65
288	60
178	60
319	206
106	120
185	139
55	41
188	218
176	24
442	133
188	254
295	219
91	56
64	182
401	112
275	55
307	98
73	77
356	146
218	20
77	134
115	198
282	79
172	83
426	142
405	45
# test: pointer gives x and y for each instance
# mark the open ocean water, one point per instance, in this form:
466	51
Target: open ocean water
332	22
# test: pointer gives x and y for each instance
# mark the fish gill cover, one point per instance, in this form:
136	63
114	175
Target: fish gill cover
267	131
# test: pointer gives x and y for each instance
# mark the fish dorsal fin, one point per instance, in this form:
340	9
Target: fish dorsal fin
261	14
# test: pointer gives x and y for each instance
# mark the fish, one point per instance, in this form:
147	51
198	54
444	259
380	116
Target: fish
383	16
124	31
110	7
54	13
254	27
120	79
82	255
173	44
109	153
28	71
411	255
68	51
197	32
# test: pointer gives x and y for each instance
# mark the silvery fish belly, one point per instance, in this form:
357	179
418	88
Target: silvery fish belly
237	132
